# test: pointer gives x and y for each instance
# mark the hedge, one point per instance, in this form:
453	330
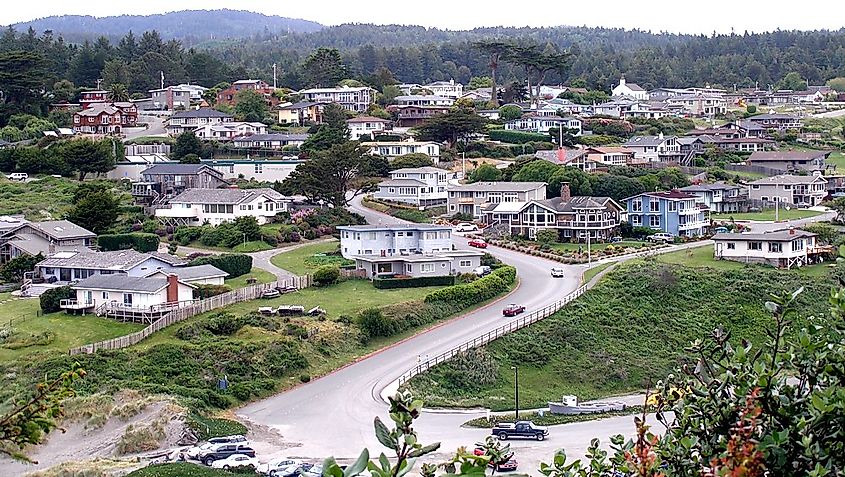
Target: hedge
142	242
470	294
516	137
233	264
386	283
50	299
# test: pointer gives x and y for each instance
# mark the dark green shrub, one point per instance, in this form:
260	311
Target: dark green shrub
386	283
51	298
470	294
374	324
233	264
140	241
304	378
14	269
516	137
207	291
326	275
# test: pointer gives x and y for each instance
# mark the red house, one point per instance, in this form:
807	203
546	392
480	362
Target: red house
88	98
105	118
229	95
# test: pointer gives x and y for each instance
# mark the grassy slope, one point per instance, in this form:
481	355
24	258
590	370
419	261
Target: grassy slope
768	215
295	262
629	330
589	274
38	200
703	257
260	275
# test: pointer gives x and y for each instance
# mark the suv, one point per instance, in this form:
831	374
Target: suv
523	429
482	271
466	227
663	237
222	451
18	176
228	440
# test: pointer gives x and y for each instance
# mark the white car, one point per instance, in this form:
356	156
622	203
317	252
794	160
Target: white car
557	272
278	464
466	227
235	460
194	452
18	176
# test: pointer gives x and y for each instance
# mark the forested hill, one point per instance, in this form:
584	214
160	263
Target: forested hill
191	26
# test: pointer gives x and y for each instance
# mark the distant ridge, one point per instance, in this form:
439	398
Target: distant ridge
192	26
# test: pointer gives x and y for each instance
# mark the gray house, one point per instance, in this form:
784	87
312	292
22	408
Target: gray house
171	178
472	199
802	191
719	197
31	238
789	161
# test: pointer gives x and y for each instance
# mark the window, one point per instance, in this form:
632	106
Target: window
259	168
636	220
775	247
755	245
105	295
637	205
384	268
409	268
409	234
427	267
673	206
654	221
764	198
755	186
797	245
731	246
127	299
465	263
653	204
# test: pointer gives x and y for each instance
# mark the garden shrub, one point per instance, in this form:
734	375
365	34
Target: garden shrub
139	241
385	283
516	137
233	264
374	324
13	270
326	275
207	291
51	298
469	294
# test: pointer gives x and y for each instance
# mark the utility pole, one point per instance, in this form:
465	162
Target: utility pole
464	164
99	81
274	75
516	392
162	79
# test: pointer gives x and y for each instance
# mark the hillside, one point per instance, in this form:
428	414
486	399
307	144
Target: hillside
190	26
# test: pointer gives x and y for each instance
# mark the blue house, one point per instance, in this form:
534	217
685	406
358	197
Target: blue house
674	212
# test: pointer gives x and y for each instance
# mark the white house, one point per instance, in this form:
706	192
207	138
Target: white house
424	100
366	127
270	170
136	298
632	90
422	186
658	148
785	249
542	124
394	149
215	206
68	266
226	131
196	275
802	191
356	99
449	89
176	96
270	141
719	198
195	118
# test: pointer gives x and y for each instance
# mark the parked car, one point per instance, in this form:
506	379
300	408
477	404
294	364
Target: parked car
195	451
720	230
315	471
466	227
235	460
513	309
276	464
18	176
483	270
478	243
222	451
663	237
508	466
235	439
557	272
291	470
521	429
616	239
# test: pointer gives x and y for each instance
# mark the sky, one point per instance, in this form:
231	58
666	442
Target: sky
677	16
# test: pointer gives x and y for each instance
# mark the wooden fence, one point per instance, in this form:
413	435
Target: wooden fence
250	292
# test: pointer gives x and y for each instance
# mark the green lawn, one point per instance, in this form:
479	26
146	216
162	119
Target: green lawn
574	247
768	215
66	331
254	246
302	260
837	159
703	257
589	274
261	276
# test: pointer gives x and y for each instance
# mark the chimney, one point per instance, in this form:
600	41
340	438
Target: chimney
791	231
565	193
51	248
172	288
660	135
622	80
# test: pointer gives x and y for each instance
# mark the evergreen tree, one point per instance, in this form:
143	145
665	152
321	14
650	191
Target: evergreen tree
186	143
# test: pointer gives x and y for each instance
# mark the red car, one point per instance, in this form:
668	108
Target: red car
513	309
477	243
508	466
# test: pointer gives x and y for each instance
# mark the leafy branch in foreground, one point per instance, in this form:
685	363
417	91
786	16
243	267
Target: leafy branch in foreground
35	417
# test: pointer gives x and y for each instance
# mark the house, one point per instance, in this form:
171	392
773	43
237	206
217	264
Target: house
570	157
790	160
610	156
747	128
719	198
105	118
69	266
19	236
229	96
127	297
420	186
449	89
415	250
783	249
408	88
215	206
300	113
776	122
658	148
394	149
355	99
172	97
480	95
132	165
260	169
424	100
700	104
410	116
274	141
195	275
542	124
576	219
89	98
164	180
631	90
739	144
229	130
674	212
472	199
366	127
190	120
801	191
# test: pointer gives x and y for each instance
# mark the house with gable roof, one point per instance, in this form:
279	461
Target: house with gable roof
420	186
632	90
196	207
674	212
22	237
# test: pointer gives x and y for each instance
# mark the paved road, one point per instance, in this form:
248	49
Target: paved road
155	128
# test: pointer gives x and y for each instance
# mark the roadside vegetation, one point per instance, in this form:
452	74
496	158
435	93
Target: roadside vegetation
549	419
404	211
768	215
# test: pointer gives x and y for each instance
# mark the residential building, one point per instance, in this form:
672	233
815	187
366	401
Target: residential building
420	186
132	165
700	104
176	97
69	266
410	116
472	199
195	118
570	157
424	100
576	219
355	99
658	148
414	250
215	206
542	124
303	112
105	118
631	90
274	141
260	169
394	149
800	191
229	96
196	275
610	156
228	131
165	180
747	128
625	108
674	212
408	88
776	122
738	144
366	127
449	89
719	197
783	249
89	98
790	160
19	236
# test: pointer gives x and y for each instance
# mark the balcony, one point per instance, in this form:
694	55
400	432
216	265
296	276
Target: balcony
578	224
466	200
180	212
73	304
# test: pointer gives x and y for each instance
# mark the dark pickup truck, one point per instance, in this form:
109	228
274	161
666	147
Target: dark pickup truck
522	429
222	451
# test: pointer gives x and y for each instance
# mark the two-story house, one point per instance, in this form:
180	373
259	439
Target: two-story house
783	249
164	180
409	116
789	161
610	156
229	130
190	120
420	186
366	127
424	100
105	118
576	219
214	206
542	124
776	122
674	212
303	112
472	199
89	98
448	89
658	148
229	96
355	99
631	90
274	141
415	250
800	191
23	237
719	197
180	96
700	104
393	149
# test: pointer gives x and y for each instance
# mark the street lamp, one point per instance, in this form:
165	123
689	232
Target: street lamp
516	390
